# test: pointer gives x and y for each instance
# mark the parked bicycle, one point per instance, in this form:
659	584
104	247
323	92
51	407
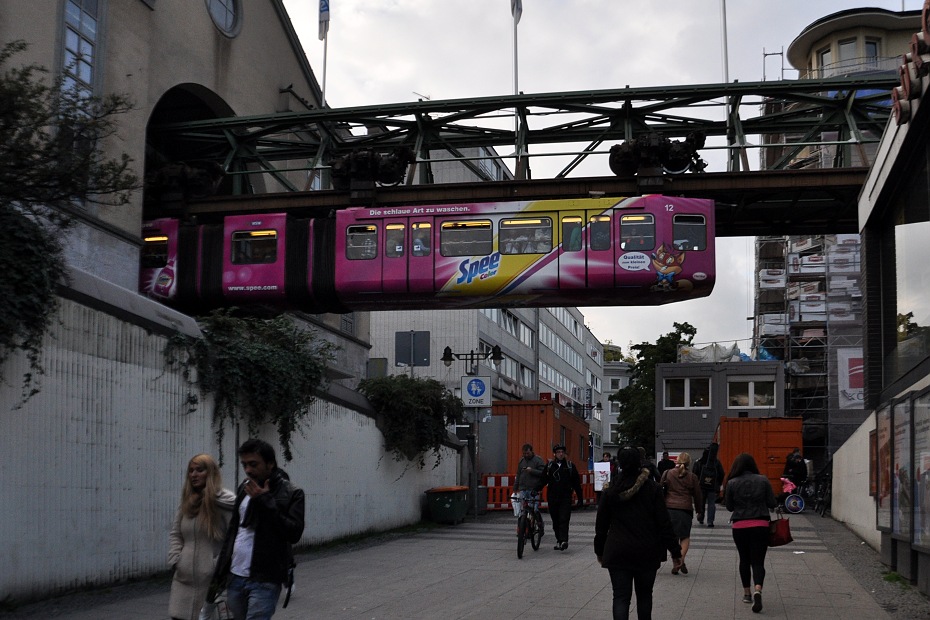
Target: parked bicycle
824	493
529	520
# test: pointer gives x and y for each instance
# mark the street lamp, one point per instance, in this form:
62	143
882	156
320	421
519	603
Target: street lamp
472	358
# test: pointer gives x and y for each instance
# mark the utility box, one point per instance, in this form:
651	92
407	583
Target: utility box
768	440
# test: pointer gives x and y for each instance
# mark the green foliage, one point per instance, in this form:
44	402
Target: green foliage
50	165
259	371
638	400
414	414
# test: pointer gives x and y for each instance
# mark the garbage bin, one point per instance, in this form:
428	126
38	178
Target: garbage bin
447	504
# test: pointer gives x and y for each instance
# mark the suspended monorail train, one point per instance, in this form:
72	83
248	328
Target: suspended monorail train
644	250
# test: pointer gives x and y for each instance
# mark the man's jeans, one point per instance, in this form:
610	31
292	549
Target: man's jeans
252	600
710	503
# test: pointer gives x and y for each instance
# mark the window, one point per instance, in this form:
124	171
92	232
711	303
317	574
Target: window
225	14
751	394
824	60
600	232
615	435
689	232
691	393
81	35
362	242
466	238
422	231
394	240
571	234
637	233
525	236
252	247
871	51
154	252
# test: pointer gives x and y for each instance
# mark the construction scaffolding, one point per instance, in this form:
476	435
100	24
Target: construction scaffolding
808	313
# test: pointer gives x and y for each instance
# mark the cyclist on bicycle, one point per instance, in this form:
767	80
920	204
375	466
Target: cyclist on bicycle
529	476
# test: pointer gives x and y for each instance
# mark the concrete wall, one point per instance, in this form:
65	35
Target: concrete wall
95	462
851	503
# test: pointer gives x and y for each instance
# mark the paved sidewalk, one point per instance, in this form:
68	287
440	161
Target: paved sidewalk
471	570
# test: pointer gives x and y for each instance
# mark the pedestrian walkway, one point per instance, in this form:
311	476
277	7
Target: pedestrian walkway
471	570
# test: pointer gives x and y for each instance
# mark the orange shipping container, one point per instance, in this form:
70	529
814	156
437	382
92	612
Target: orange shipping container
544	424
768	440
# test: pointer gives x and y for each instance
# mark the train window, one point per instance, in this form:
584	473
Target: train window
525	236
421	234
600	232
637	232
469	238
571	234
689	232
362	242
154	252
394	240
251	247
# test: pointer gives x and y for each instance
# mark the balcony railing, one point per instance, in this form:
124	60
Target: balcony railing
854	66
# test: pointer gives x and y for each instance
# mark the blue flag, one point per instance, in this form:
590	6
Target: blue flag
324	18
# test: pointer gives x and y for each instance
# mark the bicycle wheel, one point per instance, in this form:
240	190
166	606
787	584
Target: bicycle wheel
794	503
537	532
521	535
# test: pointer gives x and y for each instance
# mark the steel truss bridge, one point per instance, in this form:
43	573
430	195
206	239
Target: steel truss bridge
812	138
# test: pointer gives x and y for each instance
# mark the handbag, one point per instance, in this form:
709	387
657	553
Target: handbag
779	531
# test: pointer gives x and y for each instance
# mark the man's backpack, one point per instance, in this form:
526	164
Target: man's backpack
708	477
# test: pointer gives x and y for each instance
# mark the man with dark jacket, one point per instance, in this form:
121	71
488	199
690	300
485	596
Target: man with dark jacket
268	518
709	472
562	477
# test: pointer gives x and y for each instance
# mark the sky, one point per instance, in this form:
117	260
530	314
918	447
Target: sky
391	51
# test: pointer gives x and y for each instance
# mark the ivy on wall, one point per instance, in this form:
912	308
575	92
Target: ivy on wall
258	371
413	415
52	170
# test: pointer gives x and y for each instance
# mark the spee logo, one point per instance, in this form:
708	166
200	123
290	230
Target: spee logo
484	268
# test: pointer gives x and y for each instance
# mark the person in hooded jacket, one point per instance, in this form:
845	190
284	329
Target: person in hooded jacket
632	533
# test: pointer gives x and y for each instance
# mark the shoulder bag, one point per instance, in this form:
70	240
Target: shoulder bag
779	531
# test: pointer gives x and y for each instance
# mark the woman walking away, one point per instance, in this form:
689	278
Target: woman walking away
682	498
631	535
749	497
196	538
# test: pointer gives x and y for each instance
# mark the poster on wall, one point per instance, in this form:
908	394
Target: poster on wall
922	470
850	377
883	499
601	475
903	482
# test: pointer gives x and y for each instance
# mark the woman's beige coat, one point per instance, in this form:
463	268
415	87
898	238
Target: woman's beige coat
192	556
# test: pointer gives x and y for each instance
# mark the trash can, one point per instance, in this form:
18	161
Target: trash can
447	504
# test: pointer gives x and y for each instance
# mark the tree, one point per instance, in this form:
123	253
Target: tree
51	166
413	415
637	401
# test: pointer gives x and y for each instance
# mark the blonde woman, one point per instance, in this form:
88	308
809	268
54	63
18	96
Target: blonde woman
197	537
682	497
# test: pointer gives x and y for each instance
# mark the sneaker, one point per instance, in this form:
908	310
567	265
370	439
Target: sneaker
558	546
747	598
701	520
757	602
564	545
710	525
684	568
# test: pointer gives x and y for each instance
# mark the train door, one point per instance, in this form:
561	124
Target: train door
358	253
420	264
637	241
600	252
394	263
572	260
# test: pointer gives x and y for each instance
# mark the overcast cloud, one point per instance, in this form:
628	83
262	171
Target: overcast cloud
388	51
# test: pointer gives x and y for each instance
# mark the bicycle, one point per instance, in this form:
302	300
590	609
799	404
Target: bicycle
529	520
824	495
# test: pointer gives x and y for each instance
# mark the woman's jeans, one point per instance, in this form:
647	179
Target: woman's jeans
624	581
251	600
